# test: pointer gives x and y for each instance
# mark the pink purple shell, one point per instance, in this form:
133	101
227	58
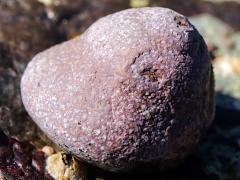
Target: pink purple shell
136	88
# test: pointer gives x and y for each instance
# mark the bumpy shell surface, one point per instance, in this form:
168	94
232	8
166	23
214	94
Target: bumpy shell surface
136	88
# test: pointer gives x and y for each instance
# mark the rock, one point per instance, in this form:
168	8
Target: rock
21	160
9	77
48	150
93	10
227	71
134	91
226	61
64	166
58	10
14	120
35	31
139	3
218	34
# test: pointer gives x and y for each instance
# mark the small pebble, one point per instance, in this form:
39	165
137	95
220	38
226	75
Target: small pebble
63	166
48	150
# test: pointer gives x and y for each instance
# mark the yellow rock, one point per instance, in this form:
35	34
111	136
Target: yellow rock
73	35
46	2
62	166
48	150
227	65
139	3
236	66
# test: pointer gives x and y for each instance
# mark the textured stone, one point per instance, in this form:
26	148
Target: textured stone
21	160
64	166
9	77
225	45
24	25
14	121
135	89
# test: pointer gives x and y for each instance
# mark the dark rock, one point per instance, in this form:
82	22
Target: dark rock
89	12
13	117
21	160
9	77
24	25
134	91
59	10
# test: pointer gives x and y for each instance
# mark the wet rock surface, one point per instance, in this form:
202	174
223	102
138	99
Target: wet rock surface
122	90
21	160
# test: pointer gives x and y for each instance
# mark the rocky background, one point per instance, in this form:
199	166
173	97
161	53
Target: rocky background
30	26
